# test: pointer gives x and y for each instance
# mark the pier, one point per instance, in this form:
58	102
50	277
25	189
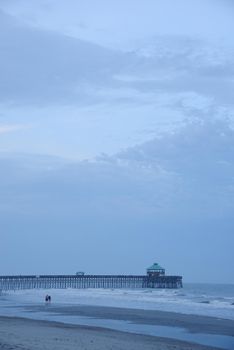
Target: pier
155	278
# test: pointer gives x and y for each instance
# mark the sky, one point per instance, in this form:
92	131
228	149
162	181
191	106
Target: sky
117	137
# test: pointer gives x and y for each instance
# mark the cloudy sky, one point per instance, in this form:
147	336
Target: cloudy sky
117	137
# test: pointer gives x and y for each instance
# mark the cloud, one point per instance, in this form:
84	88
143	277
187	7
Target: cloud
156	101
179	188
188	171
200	155
49	66
53	68
123	23
6	128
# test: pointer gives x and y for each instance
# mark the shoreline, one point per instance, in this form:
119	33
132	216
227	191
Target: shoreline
192	323
22	333
153	329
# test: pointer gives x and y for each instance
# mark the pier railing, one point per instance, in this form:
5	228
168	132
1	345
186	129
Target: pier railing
88	281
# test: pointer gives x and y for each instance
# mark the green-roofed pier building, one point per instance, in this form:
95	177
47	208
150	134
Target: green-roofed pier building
154	278
155	270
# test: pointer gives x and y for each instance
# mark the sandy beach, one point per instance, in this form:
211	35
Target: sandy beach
25	334
193	323
28	323
29	334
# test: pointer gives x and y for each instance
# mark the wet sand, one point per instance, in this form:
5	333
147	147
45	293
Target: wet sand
25	334
193	323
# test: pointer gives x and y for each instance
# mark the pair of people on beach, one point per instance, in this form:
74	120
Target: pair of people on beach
47	299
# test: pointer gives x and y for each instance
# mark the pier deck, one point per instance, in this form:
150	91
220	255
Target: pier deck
88	281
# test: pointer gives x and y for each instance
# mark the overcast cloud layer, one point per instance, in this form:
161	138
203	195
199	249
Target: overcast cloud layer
116	137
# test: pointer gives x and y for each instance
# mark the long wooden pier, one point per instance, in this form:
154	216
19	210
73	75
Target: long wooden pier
154	278
8	283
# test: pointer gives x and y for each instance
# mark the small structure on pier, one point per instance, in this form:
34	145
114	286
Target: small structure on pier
80	273
155	278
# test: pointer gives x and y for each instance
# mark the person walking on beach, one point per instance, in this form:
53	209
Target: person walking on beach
47	299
